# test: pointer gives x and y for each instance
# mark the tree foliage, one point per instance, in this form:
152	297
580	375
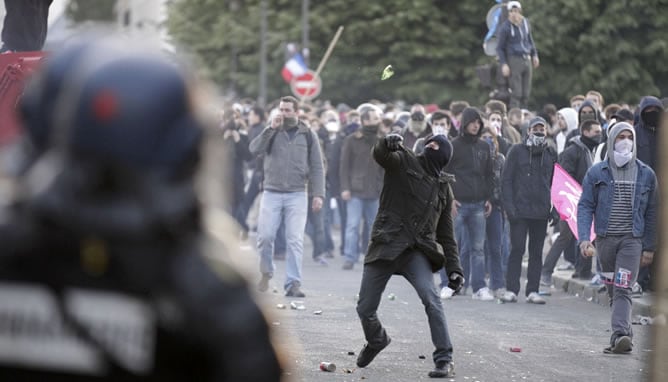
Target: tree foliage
615	47
82	10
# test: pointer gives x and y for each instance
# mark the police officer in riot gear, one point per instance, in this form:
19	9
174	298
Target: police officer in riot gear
103	267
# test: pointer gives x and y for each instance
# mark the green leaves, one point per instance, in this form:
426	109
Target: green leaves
616	47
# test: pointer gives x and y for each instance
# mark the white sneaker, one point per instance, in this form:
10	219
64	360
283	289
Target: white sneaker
535	298
508	296
446	293
483	294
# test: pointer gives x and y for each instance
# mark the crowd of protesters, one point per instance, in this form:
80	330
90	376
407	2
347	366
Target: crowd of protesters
502	187
322	176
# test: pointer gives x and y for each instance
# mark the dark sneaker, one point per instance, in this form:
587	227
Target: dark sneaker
294	291
263	285
368	354
348	265
443	370
623	345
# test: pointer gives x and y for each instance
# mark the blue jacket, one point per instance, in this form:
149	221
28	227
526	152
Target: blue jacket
515	40
596	203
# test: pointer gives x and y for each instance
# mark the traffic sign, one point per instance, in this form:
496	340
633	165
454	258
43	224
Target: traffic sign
307	86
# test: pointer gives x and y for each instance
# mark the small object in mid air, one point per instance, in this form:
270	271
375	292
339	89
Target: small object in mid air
387	73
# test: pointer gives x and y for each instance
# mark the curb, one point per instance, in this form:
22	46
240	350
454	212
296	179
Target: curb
562	280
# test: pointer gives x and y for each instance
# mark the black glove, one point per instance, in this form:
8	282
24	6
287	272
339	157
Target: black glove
554	218
393	141
456	282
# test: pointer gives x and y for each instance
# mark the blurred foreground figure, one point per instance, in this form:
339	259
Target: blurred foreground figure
25	25
103	273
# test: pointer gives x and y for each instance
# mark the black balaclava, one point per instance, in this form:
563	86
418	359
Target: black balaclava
370	132
436	160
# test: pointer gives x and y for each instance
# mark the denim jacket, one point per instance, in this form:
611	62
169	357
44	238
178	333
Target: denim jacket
596	203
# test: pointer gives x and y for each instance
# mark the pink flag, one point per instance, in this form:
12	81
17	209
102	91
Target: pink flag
565	196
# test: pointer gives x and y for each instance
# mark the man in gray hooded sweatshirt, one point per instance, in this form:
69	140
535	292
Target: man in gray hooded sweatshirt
619	195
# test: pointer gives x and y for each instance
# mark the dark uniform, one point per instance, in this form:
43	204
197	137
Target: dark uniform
412	236
103	273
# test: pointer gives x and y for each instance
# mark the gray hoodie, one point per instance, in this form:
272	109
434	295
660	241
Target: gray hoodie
624	184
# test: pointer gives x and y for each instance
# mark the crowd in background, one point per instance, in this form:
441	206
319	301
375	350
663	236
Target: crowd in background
353	180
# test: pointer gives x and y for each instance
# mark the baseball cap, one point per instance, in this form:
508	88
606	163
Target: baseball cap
514	4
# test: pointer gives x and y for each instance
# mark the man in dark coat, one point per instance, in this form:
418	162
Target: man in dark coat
472	165
412	236
525	189
651	112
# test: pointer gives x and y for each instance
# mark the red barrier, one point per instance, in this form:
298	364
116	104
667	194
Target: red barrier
15	69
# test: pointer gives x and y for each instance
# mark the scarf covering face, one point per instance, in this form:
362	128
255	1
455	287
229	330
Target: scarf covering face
623	152
436	160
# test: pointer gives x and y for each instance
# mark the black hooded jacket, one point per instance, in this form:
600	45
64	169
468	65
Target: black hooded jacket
472	163
415	212
576	132
526	181
645	134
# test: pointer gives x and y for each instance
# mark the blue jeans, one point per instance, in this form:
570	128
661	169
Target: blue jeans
415	268
505	245
470	234
292	207
357	208
493	256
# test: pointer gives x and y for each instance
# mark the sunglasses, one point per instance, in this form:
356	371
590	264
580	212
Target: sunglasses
417	116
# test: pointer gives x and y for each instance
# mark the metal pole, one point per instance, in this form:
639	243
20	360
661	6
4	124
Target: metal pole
262	96
305	31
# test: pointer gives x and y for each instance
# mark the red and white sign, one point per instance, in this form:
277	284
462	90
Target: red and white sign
307	86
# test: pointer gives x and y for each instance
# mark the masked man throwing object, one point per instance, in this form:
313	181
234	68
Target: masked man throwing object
412	236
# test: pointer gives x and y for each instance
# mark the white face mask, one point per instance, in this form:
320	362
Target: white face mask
332	126
623	152
438	130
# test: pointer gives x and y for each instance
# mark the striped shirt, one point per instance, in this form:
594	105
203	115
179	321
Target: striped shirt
621	214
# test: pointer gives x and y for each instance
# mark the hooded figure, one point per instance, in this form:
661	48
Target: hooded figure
619	198
651	110
571	117
472	165
436	159
412	236
582	116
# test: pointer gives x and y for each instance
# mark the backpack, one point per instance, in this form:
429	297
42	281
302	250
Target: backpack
309	143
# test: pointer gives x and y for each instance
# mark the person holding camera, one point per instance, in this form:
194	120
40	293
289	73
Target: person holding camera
292	160
413	236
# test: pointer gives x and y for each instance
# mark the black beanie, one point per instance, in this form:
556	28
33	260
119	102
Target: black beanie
438	159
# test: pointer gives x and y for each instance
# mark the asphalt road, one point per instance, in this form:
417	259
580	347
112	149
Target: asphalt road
560	341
